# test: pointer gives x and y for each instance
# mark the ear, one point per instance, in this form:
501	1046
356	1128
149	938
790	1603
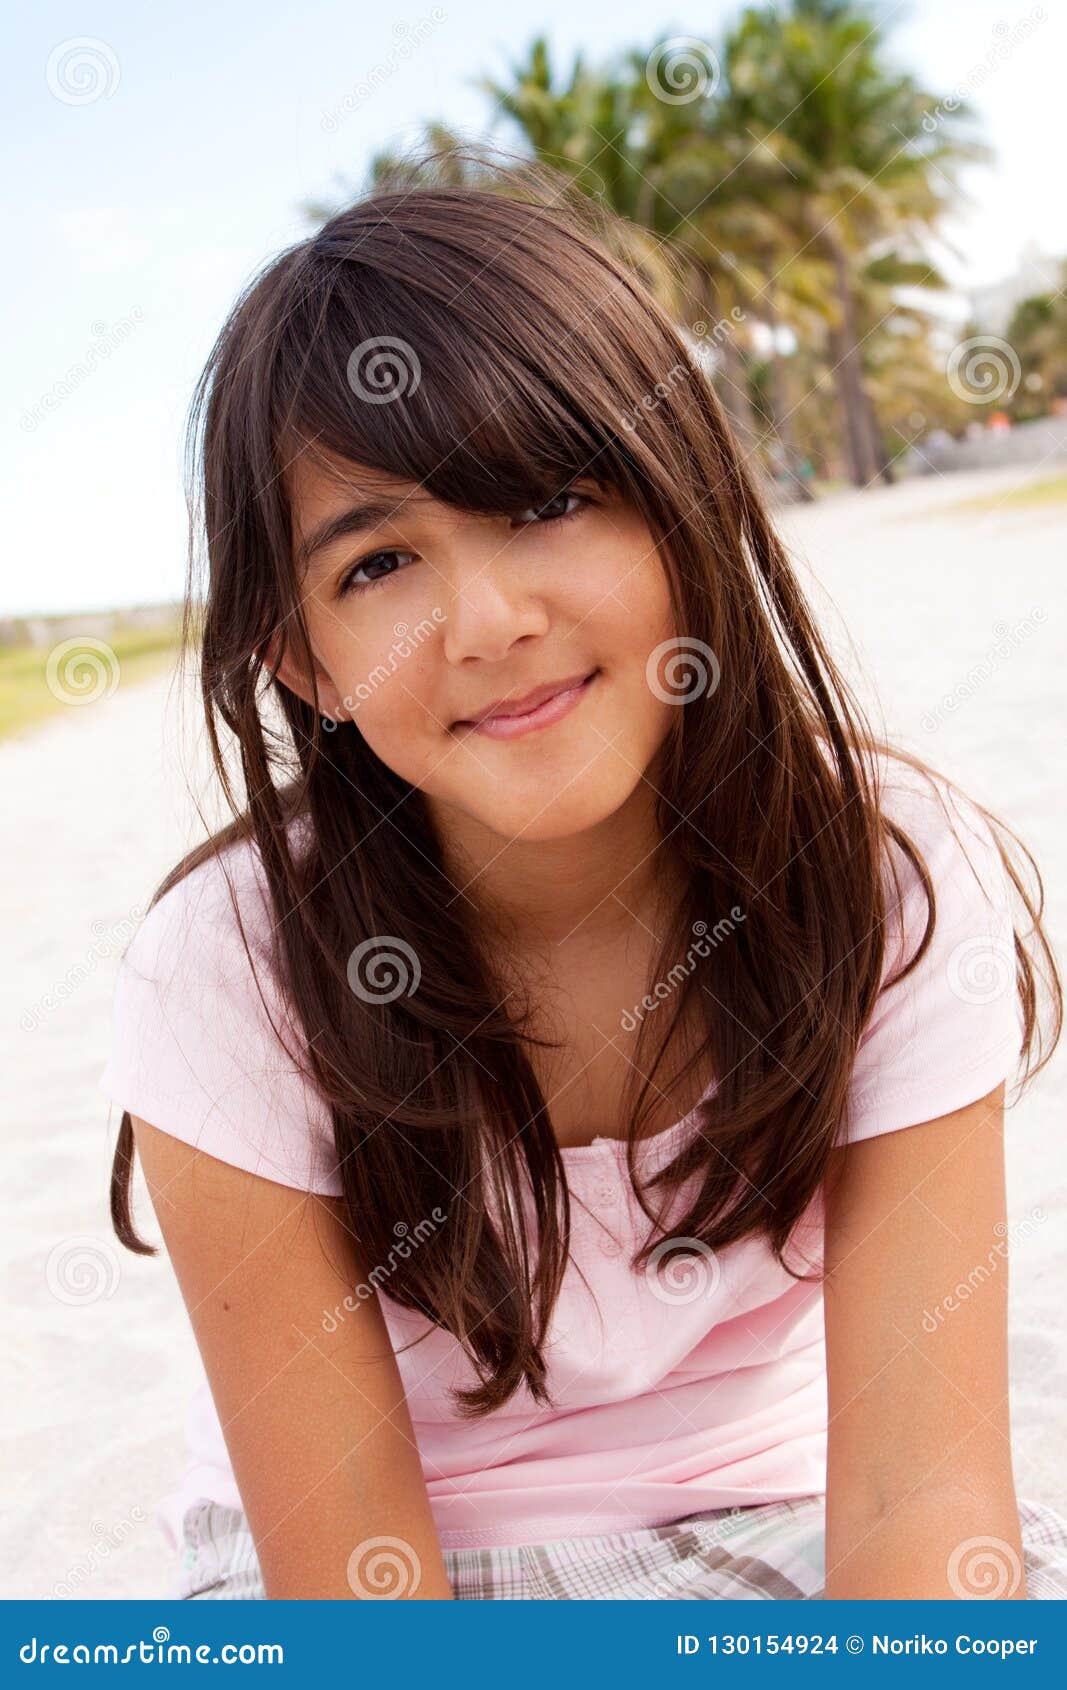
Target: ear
278	658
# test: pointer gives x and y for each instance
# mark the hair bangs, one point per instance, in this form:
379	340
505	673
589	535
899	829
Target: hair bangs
388	378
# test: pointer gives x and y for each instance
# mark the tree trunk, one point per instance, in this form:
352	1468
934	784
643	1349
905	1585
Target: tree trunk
885	465
781	411
729	377
848	370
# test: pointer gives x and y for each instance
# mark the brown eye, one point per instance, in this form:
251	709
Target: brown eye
376	560
543	514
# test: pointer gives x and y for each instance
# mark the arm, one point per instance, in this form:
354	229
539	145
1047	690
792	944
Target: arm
317	1426
919	1453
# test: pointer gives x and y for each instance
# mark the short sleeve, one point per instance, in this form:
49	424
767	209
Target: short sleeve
193	1050
951	1030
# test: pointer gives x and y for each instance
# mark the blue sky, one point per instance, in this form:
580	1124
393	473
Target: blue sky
135	217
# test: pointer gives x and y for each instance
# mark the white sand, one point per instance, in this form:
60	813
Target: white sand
100	810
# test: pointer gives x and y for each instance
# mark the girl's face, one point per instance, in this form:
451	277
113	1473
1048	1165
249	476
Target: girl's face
423	618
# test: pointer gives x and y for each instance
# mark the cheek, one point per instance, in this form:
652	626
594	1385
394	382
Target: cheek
383	676
624	617
622	563
626	607
399	715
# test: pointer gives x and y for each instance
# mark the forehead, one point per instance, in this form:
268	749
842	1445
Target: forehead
319	484
331	500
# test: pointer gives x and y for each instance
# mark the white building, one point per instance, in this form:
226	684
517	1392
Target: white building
992	305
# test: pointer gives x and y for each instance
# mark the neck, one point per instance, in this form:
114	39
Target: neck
588	886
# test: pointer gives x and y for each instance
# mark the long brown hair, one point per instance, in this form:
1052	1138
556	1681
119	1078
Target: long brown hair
542	357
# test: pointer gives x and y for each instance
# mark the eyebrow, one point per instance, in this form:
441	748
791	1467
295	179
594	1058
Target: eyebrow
361	518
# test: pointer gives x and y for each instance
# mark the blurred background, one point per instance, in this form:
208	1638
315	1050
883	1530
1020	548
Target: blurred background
854	214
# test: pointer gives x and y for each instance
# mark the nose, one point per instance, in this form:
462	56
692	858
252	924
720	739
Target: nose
489	610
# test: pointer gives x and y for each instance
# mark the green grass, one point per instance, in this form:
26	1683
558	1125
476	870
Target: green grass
1032	495
27	698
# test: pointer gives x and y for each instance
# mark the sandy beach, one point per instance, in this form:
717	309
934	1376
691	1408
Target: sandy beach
956	623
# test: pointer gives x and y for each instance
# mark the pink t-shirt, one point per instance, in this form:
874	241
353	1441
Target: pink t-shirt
699	1385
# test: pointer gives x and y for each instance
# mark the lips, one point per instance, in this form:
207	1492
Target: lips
502	708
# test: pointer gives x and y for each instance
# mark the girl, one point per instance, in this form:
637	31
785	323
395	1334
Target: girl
571	1087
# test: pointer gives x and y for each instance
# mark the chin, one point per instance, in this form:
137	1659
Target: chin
538	817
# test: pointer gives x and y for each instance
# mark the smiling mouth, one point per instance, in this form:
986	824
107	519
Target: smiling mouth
511	725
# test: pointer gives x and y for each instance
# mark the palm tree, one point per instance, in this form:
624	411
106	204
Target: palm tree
798	185
584	125
870	157
646	159
738	231
1038	333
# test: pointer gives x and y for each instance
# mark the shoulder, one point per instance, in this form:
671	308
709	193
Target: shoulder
199	927
941	851
202	912
934	811
945	1029
205	1042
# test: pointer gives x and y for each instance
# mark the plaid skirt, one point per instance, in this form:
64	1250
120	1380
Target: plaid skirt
765	1552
